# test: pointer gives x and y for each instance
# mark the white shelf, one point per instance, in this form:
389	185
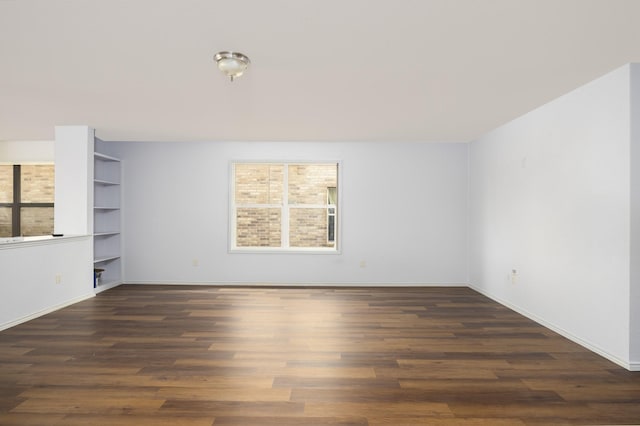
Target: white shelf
104	157
105	182
106	286
104	259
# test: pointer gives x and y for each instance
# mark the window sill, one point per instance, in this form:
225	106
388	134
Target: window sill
278	250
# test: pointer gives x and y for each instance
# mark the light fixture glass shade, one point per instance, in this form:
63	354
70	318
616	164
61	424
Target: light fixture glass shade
232	64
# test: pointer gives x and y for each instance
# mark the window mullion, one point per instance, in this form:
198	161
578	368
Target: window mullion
258	206
15	211
310	206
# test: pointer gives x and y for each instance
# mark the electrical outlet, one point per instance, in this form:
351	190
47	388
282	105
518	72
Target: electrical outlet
514	276
195	262
58	278
363	263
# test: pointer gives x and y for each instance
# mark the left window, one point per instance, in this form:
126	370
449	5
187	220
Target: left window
26	199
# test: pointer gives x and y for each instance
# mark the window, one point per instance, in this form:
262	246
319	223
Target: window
284	206
26	200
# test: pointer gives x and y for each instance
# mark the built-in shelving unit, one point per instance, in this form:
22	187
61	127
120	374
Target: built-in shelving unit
106	218
88	201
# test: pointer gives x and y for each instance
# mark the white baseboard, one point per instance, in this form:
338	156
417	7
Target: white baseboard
586	344
298	284
45	311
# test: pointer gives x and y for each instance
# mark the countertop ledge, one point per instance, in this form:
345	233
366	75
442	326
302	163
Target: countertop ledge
16	242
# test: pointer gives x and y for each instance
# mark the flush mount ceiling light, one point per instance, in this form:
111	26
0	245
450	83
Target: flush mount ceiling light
233	64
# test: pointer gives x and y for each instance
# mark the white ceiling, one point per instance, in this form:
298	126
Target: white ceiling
322	70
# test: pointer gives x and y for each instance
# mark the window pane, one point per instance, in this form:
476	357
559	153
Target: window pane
6	183
36	184
331	232
308	227
259	183
258	227
332	195
36	221
308	183
5	222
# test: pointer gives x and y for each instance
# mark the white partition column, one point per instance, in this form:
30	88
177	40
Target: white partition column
73	208
634	293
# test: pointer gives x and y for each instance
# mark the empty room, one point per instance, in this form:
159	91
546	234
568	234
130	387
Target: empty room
303	212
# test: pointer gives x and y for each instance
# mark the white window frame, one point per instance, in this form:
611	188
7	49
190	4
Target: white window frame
285	207
331	214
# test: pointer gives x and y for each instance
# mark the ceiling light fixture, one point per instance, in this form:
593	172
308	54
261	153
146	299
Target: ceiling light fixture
233	64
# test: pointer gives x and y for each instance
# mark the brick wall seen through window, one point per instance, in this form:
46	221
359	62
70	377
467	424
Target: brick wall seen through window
284	206
26	200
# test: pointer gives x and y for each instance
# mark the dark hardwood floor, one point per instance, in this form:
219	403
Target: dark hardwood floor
170	355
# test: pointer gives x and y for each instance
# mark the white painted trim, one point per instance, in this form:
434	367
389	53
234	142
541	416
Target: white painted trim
300	284
634	366
258	206
38	241
45	311
231	200
281	250
284	208
586	344
106	287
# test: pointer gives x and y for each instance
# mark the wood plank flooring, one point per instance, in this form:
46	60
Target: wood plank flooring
223	356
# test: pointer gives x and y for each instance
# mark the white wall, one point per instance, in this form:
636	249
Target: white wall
37	277
29	287
635	217
404	213
74	163
26	152
549	197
